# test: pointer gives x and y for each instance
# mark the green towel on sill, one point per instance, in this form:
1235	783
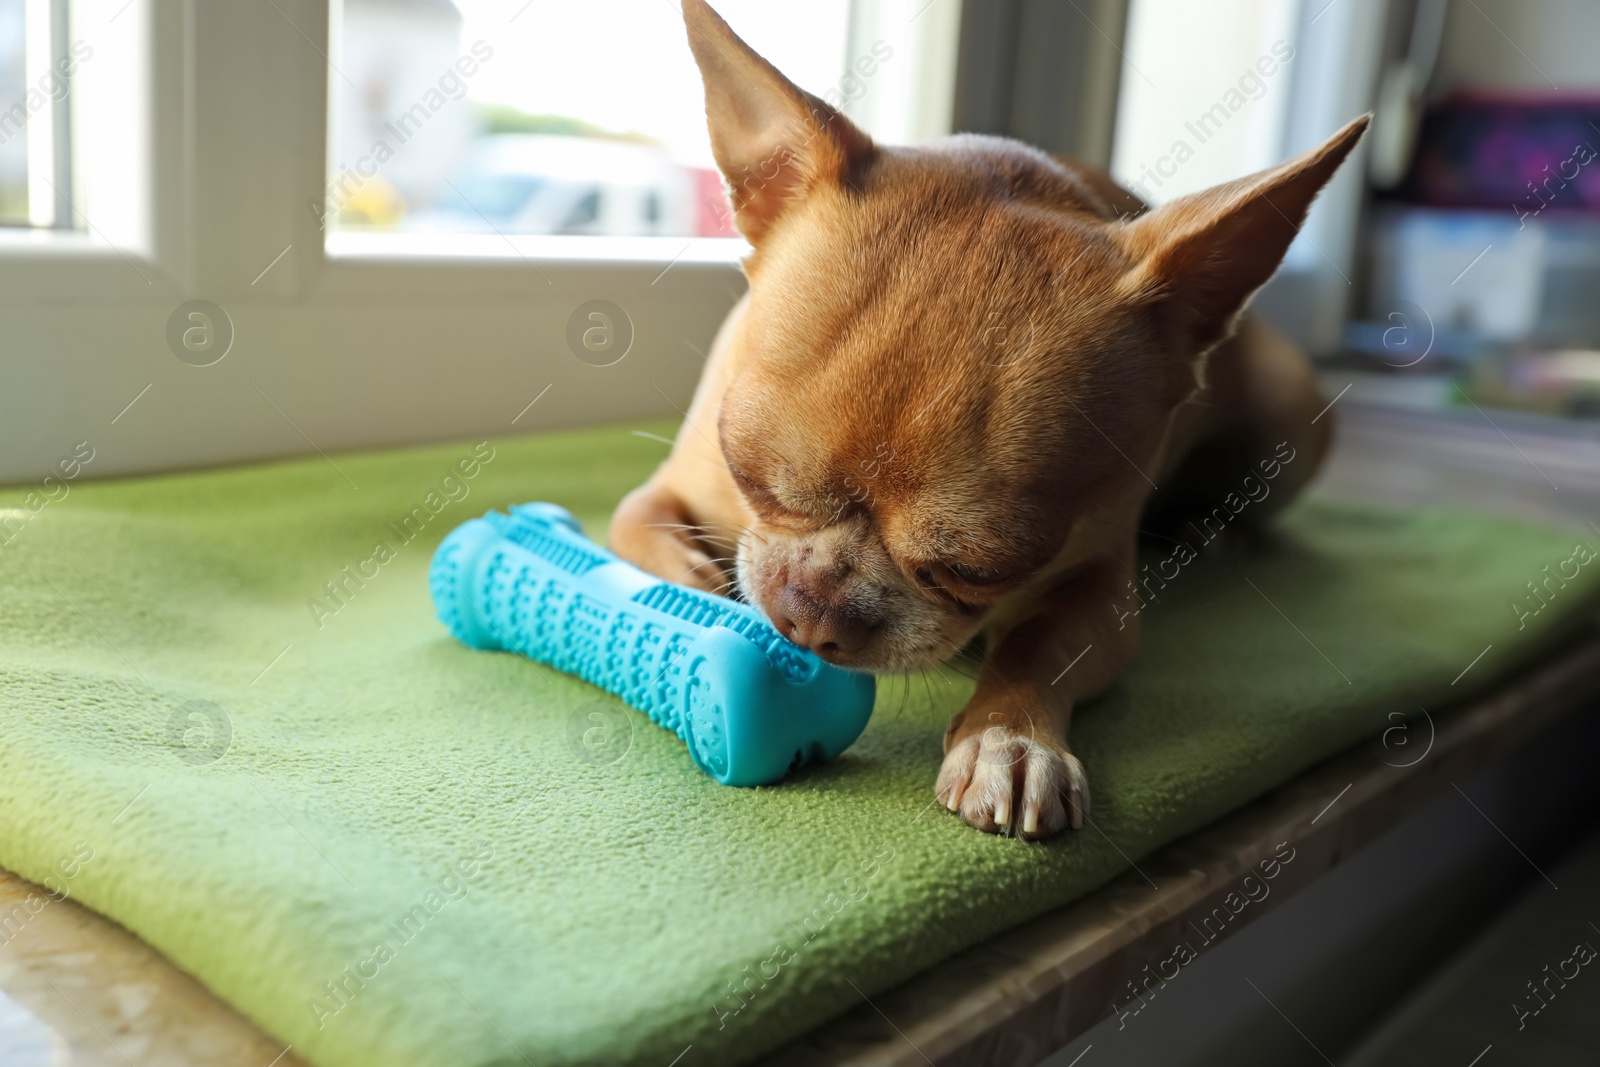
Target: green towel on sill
231	723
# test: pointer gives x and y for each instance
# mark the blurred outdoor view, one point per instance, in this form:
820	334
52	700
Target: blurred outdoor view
544	117
13	137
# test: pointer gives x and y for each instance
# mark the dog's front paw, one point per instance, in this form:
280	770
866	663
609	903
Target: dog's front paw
1003	781
651	531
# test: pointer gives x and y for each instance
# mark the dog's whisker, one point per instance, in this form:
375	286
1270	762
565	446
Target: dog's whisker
747	531
699	533
888	678
955	667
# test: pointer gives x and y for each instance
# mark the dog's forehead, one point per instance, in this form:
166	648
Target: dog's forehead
944	265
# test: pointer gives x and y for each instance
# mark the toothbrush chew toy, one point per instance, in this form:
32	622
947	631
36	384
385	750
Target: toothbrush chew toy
750	705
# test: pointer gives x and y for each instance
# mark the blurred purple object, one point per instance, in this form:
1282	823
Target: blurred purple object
1528	155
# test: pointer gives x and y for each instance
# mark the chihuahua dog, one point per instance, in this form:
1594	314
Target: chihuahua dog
945	405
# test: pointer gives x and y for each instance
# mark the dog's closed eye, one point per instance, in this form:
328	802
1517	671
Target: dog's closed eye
976	575
944	581
785	511
941	576
757	493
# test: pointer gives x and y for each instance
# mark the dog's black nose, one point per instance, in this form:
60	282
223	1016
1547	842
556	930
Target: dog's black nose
824	629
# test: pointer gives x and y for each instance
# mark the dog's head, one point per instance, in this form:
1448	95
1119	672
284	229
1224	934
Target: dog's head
952	356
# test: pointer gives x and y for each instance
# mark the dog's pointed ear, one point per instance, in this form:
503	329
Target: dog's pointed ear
1203	255
773	142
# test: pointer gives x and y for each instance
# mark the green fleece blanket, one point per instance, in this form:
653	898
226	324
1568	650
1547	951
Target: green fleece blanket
229	720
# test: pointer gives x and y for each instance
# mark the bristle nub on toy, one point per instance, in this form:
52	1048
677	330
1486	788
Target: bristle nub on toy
750	705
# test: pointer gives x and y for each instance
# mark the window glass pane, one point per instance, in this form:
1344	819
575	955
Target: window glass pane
545	118
13	115
1189	118
48	48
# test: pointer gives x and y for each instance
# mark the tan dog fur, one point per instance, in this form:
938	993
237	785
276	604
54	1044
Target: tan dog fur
944	405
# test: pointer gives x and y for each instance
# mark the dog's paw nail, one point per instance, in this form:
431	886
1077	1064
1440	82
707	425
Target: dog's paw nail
1030	819
1077	792
1002	813
954	800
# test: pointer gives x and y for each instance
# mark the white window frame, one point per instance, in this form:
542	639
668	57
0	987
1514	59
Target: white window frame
331	352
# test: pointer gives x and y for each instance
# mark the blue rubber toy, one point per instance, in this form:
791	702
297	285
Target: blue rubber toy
750	705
